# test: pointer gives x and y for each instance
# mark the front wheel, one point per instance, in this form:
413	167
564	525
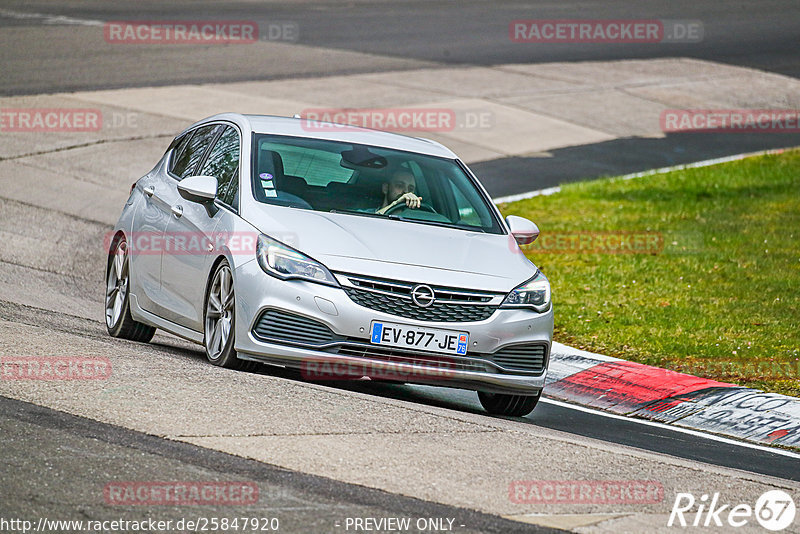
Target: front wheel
119	321
509	405
220	320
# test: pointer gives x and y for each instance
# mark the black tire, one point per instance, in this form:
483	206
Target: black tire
226	355
508	405
119	322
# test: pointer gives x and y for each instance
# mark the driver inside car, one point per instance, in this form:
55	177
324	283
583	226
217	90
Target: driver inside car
399	189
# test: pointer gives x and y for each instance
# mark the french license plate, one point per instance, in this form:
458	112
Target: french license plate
414	337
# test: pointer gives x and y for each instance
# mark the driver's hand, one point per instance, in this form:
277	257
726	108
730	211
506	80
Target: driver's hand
412	201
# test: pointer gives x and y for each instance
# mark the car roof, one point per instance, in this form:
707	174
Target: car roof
298	127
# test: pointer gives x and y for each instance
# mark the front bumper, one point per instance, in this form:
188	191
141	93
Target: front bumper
256	291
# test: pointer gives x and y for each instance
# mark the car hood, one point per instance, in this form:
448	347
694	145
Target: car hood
399	250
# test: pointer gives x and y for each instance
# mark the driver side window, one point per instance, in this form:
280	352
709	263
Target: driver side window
223	164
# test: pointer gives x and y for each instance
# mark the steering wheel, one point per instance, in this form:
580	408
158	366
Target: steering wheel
423	206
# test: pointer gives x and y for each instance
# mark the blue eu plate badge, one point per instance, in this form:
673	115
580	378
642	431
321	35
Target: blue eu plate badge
377	330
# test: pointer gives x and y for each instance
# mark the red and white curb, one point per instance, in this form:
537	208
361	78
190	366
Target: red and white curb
642	391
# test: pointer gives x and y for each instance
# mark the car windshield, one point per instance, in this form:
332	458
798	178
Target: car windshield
339	177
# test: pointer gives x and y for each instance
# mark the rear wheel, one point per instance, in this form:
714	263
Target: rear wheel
510	405
118	314
220	320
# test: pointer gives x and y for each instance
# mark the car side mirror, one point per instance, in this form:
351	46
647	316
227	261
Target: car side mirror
524	231
200	189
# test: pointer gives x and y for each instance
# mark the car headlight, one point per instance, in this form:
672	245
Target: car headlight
535	293
284	262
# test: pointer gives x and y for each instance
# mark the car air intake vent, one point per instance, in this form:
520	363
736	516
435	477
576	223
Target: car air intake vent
277	325
529	358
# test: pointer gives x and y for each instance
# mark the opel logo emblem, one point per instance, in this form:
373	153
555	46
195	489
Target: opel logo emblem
423	296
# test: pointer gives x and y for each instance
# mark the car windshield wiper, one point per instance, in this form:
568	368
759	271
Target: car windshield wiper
366	214
412	219
444	224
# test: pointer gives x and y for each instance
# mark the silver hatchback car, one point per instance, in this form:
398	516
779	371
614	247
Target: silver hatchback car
339	251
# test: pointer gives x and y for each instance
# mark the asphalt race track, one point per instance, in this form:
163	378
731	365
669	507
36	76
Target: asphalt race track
317	504
382	34
321	454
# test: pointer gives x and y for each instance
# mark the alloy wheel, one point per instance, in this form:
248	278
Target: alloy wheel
219	313
117	285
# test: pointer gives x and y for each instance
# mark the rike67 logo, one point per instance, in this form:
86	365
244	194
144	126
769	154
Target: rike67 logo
774	510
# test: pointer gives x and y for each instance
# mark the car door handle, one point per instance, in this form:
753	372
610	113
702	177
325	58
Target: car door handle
149	190
177	211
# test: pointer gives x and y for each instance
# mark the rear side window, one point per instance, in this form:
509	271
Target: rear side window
177	147
189	152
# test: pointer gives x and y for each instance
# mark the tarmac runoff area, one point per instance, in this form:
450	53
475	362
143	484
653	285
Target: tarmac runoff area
60	192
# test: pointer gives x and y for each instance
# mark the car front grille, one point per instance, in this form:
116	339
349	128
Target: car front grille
394	298
531	358
278	325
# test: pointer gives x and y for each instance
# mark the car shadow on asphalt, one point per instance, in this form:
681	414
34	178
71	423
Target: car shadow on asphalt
440	397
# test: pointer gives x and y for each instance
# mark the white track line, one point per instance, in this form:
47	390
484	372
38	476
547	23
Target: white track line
662	170
57	20
697	433
529	194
